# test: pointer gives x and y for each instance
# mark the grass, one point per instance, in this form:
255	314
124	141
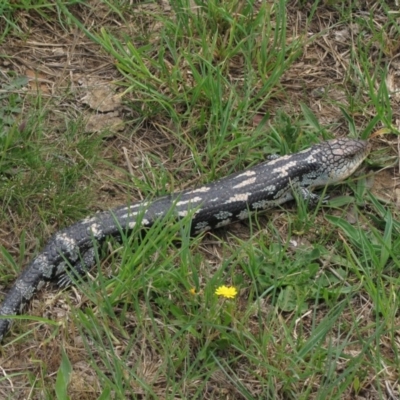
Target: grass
208	88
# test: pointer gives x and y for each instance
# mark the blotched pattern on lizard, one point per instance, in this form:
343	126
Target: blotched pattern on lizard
210	206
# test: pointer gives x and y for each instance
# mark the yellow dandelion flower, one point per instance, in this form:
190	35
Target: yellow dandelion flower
227	291
192	291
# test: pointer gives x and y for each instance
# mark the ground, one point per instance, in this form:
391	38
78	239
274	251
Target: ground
108	102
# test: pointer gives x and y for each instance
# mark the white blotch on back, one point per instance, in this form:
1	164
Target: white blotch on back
279	159
194	200
129	209
283	170
144	222
310	159
68	242
143	204
129	214
96	231
245	183
238	197
246	173
88	220
202	189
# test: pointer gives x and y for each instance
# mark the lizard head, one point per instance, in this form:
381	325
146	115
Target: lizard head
339	158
